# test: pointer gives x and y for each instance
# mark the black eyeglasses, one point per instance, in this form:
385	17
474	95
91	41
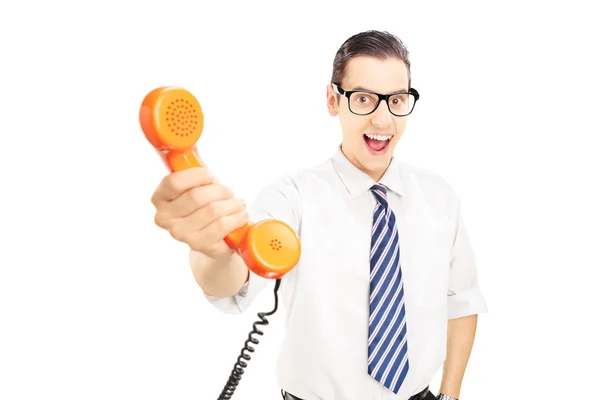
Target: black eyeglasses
365	102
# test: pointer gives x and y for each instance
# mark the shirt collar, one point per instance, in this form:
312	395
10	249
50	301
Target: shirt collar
357	182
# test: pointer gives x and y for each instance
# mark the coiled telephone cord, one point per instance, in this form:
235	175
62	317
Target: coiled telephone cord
238	368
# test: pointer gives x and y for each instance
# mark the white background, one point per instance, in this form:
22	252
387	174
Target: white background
98	303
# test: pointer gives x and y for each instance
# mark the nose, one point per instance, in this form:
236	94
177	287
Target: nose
381	117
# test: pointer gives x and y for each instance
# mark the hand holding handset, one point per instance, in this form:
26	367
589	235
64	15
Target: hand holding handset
172	121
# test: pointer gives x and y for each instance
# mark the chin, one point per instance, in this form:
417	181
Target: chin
372	162
375	164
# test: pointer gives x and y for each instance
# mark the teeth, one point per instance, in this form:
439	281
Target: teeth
378	137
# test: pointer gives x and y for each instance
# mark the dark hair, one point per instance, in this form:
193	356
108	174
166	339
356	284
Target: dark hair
372	43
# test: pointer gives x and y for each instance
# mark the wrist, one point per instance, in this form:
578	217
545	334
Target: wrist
442	396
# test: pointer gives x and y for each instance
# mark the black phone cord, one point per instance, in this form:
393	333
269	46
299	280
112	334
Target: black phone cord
238	368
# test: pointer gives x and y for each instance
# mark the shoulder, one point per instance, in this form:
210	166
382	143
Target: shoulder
299	181
282	197
427	183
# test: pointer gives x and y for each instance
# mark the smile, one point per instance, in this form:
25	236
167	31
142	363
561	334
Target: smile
377	144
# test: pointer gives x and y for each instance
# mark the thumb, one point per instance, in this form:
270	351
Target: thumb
202	163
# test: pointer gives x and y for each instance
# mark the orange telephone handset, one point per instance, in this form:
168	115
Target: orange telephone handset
172	121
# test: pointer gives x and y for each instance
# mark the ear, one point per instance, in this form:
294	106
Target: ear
332	102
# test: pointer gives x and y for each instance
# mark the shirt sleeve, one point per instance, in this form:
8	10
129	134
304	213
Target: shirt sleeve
280	200
464	294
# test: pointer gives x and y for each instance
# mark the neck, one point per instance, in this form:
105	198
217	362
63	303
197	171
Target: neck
375	175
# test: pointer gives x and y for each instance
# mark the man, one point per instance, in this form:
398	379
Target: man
386	287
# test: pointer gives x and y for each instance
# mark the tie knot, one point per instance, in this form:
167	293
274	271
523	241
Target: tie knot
380	193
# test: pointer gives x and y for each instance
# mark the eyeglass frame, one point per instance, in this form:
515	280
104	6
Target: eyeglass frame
381	97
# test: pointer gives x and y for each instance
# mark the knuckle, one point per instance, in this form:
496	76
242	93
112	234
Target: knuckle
178	181
160	220
166	181
222	225
214	209
177	234
197	196
154	199
222	192
240	205
196	246
175	183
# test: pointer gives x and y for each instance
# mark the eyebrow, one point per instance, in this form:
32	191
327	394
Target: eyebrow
369	90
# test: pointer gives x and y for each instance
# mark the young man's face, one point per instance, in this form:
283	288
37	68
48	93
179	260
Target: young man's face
369	140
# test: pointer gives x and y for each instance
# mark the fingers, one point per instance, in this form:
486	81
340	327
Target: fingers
175	184
195	209
210	196
211	223
220	228
197	198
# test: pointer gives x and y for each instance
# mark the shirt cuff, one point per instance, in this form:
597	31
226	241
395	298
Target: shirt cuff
240	301
465	303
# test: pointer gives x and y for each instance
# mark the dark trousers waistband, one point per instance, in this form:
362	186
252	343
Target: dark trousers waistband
425	394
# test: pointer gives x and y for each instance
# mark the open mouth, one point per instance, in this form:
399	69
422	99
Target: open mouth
377	144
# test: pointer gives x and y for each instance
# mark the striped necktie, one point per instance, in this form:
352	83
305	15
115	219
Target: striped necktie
388	349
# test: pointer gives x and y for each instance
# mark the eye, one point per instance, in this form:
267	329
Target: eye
363	98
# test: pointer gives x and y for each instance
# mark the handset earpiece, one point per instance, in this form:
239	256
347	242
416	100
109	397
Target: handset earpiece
171	118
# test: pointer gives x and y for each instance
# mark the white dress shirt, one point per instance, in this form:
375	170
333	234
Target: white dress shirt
330	206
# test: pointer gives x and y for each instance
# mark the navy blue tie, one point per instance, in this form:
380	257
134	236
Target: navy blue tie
388	349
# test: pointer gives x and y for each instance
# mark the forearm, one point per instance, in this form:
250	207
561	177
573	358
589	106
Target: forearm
220	278
461	335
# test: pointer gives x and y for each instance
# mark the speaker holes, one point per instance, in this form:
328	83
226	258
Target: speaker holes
181	117
275	244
